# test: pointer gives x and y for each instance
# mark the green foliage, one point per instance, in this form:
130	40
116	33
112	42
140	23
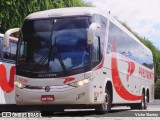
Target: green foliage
157	90
13	12
69	3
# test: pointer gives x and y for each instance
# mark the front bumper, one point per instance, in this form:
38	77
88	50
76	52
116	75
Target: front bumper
63	95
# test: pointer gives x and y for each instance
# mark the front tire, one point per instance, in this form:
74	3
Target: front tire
106	105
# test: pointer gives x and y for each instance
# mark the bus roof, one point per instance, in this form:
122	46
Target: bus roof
64	12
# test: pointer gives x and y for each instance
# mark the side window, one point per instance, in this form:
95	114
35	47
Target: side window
96	51
127	46
102	31
122	42
151	61
10	52
110	38
7	52
13	50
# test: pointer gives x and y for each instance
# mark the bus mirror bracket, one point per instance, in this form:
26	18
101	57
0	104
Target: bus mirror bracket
7	35
91	32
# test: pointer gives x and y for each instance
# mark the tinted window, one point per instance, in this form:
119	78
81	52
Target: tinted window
96	50
71	23
128	47
54	45
10	52
101	32
13	50
33	26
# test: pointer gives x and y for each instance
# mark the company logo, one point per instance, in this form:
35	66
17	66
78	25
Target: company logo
131	66
7	86
22	80
146	74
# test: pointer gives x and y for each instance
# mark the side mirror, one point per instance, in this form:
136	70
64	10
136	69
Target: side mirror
7	35
91	32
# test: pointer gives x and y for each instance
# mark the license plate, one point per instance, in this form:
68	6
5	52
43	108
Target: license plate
47	98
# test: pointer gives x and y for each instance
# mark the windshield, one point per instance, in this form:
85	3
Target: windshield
54	45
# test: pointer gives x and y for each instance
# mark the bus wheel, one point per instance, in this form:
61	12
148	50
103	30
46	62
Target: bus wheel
106	105
144	102
142	105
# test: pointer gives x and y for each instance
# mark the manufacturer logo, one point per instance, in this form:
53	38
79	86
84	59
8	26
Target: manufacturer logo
47	89
47	75
22	80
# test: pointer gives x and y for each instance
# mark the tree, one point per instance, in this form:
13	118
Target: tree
13	12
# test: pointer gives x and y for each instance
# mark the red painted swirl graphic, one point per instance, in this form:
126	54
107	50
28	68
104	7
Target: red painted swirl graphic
5	85
118	85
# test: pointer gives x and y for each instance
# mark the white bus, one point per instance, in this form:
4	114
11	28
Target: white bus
81	58
7	71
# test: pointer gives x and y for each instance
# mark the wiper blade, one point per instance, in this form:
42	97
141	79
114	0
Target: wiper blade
55	50
60	60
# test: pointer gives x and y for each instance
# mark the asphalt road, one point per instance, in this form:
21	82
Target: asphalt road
153	110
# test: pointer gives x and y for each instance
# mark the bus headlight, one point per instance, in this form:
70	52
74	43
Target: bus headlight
81	82
19	84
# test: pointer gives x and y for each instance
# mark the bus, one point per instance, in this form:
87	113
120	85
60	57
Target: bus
81	58
7	71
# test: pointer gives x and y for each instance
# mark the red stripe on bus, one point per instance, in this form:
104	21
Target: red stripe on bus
5	85
118	85
68	80
99	66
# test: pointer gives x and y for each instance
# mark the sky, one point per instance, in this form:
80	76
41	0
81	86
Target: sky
142	16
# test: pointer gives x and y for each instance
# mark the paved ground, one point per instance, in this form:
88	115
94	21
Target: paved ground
153	112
